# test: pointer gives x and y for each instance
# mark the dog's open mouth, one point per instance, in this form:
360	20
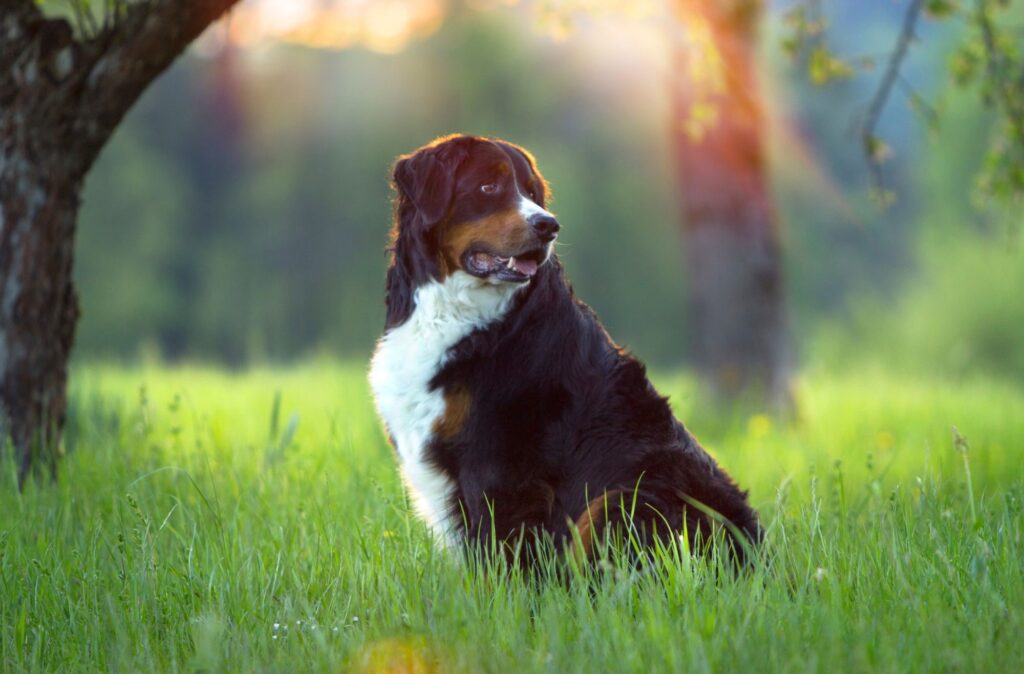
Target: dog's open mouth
517	268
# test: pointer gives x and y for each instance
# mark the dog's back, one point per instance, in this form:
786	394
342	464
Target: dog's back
563	426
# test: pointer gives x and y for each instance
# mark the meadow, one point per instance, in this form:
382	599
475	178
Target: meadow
205	520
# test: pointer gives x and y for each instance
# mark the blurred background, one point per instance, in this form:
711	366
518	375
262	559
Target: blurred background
240	214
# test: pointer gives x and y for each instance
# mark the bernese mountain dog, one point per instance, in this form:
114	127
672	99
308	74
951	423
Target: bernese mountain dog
513	413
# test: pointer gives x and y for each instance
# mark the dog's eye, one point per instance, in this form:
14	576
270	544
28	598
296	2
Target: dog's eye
489	188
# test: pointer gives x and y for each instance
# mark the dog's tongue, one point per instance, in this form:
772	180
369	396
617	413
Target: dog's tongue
526	267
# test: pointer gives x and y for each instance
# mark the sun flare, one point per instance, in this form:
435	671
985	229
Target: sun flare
384	26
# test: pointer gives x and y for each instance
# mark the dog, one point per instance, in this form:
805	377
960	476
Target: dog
512	411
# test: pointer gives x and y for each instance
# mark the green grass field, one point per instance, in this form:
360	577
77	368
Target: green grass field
198	525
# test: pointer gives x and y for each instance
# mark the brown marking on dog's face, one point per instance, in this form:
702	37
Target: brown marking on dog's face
505	233
457	402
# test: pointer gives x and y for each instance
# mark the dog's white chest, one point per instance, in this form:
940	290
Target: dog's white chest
405	361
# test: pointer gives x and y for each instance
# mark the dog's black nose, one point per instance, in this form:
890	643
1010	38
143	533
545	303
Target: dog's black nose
546	227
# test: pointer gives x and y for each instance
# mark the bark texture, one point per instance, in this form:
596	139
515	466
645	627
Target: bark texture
730	229
61	98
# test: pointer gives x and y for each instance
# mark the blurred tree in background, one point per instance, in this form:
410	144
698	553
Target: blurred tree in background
734	261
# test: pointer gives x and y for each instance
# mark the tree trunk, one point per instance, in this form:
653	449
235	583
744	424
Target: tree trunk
729	223
38	304
60	100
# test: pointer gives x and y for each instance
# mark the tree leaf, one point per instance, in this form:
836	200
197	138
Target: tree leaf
878	150
824	67
941	9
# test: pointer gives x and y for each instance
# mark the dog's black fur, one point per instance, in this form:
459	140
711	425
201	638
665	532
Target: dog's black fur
560	417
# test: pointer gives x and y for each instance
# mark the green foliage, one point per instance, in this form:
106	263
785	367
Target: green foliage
959	311
146	205
824	66
941	9
962	314
877	149
993	61
170	543
803	42
803	25
987	56
86	17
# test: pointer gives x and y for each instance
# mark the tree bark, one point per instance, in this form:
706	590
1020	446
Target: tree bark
60	100
729	223
38	304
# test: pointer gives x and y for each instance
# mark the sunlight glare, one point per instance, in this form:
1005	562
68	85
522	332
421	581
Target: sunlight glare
384	26
398	656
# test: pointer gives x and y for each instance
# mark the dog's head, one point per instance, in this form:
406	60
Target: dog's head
474	205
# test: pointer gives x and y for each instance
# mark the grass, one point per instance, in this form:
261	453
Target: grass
206	521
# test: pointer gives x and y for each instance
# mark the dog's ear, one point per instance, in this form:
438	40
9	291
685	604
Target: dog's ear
428	182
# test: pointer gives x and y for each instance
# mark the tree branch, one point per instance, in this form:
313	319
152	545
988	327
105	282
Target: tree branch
131	51
78	90
8	7
918	103
28	43
16	16
1001	82
882	93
